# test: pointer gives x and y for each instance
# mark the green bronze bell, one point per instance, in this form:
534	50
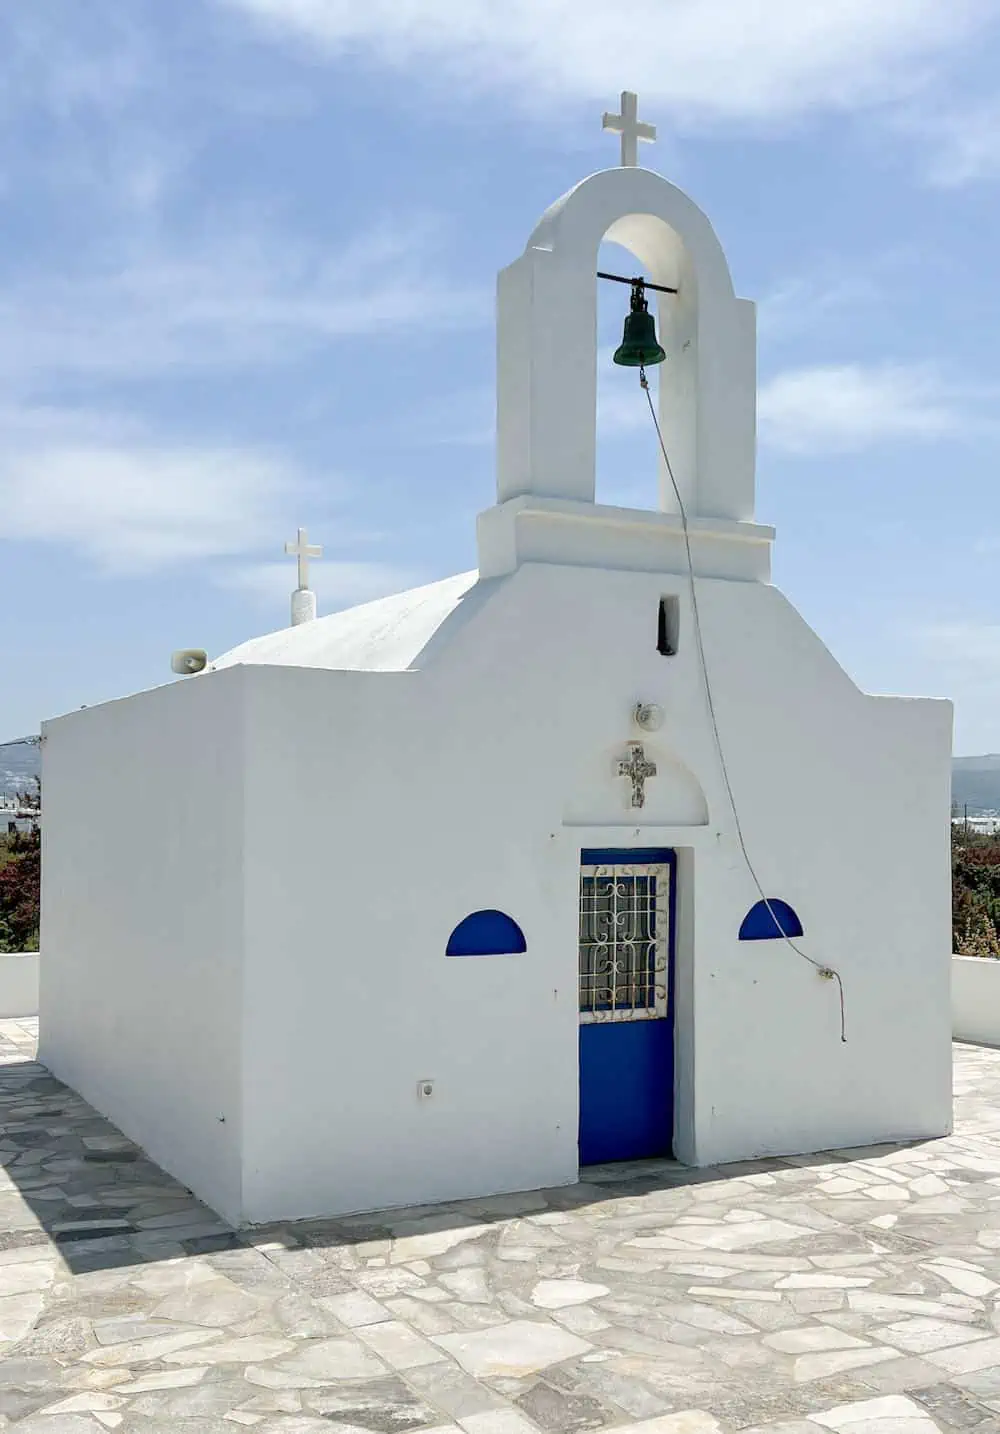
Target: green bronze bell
639	346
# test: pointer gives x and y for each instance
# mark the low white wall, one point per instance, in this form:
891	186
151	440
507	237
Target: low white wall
975	999
19	985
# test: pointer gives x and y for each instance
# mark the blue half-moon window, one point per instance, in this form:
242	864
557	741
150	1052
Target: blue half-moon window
769	921
486	933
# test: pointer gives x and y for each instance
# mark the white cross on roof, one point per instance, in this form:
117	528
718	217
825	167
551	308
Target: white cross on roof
303	550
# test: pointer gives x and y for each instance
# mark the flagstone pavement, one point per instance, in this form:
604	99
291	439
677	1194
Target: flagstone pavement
854	1292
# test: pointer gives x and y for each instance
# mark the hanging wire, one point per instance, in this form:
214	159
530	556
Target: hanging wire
827	972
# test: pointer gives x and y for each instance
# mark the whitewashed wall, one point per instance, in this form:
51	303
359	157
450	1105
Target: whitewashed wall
423	796
407	824
19	984
975	999
811	759
142	922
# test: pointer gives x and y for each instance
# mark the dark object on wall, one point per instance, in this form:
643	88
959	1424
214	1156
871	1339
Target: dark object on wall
770	921
486	933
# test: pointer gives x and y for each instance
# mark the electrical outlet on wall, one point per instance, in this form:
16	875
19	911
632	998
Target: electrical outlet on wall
425	1089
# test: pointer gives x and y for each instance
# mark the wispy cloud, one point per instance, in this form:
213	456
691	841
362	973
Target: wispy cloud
961	660
620	411
838	408
800	305
129	503
958	146
701	58
458	418
64	60
199	302
80	105
971	645
337	583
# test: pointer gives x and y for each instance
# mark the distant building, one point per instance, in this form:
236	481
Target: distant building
16	815
985	823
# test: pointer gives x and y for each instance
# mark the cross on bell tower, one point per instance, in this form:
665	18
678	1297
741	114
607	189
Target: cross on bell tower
631	129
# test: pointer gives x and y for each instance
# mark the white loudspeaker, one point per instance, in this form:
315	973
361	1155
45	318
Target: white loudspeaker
188	661
648	716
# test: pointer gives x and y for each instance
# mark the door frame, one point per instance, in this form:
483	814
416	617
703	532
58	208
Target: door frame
635	856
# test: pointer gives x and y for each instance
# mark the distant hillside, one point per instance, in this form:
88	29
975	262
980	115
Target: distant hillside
975	781
19	763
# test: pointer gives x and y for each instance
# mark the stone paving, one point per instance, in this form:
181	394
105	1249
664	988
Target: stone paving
853	1292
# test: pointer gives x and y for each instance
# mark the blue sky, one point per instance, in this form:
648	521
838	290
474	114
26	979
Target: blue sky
248	252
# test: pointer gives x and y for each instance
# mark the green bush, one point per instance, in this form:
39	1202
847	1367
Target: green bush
21	882
975	893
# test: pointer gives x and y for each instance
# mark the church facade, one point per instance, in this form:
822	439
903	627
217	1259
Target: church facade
451	893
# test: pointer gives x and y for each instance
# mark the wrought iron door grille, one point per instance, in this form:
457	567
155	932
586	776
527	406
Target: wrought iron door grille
624	934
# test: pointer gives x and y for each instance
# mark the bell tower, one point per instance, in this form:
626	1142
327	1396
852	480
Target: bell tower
547	390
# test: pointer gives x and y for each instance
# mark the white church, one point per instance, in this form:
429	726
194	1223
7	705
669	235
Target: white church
534	889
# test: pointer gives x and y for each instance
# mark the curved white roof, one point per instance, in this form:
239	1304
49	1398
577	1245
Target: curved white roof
383	636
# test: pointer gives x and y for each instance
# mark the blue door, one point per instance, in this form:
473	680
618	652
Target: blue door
626	1004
